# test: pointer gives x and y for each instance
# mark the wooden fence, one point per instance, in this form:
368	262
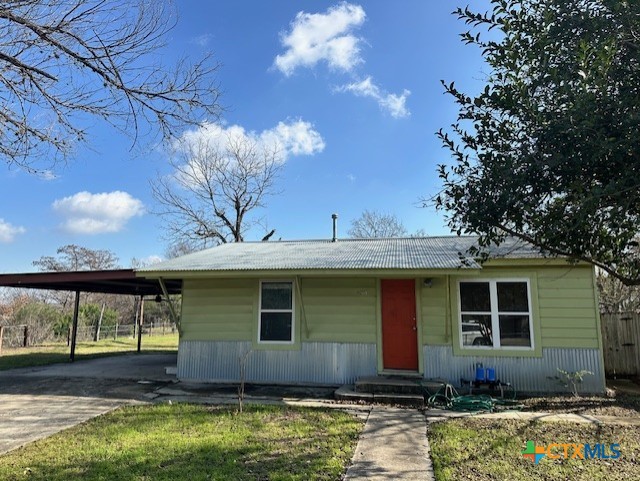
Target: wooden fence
621	343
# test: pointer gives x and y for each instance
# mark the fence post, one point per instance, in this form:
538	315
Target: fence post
25	341
1	337
115	333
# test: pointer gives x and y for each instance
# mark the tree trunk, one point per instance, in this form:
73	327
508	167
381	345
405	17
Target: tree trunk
96	338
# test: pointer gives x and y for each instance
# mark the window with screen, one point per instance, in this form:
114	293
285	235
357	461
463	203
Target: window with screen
276	311
495	314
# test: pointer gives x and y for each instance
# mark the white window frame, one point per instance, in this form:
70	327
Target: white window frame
494	313
292	311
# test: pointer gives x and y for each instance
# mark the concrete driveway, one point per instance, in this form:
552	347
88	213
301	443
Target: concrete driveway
40	401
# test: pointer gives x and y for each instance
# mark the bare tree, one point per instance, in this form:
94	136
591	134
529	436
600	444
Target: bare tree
64	61
72	257
214	188
372	224
178	248
615	296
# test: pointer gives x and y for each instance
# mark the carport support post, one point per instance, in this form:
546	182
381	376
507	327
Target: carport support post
140	322
74	331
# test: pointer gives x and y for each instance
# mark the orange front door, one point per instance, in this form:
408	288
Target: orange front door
399	330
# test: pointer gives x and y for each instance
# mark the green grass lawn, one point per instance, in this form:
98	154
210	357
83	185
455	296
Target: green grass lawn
53	353
482	450
192	442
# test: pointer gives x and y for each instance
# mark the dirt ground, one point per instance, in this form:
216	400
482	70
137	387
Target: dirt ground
623	402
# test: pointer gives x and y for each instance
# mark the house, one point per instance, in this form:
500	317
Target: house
328	312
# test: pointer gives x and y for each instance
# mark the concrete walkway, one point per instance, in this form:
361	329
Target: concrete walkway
393	445
123	366
28	417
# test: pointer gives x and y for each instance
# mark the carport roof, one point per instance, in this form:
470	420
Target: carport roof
119	281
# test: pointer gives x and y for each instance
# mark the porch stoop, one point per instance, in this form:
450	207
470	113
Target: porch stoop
400	390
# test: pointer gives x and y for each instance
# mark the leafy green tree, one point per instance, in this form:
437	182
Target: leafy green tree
41	319
89	314
549	150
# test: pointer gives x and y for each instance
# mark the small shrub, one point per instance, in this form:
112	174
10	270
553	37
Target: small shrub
571	379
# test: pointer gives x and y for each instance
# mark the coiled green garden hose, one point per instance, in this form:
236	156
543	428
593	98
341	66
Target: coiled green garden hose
448	398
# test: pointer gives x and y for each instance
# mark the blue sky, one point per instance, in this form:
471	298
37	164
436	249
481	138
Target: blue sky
363	105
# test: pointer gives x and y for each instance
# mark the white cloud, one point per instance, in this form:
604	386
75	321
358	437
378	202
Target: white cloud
287	138
88	213
328	36
294	138
201	40
8	232
394	104
47	175
145	261
322	36
152	259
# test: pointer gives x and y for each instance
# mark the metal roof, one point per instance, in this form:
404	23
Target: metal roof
118	281
348	254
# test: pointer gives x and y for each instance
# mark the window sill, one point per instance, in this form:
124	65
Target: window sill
502	352
276	346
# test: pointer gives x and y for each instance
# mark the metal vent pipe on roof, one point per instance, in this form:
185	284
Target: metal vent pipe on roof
335	227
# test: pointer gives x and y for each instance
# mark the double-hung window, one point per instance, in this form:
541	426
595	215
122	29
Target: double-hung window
276	320
495	314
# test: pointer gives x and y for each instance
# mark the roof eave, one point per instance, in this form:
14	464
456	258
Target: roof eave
196	274
530	261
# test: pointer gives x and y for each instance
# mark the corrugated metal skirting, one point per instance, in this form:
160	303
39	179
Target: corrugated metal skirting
526	374
316	362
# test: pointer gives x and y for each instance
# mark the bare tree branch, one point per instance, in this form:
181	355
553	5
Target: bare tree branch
214	189
372	224
64	61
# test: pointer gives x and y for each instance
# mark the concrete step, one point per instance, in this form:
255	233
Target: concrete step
389	385
349	393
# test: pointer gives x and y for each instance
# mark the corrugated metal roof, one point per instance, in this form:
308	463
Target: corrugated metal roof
347	254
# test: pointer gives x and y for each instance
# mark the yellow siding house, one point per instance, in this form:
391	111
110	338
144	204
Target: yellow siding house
328	312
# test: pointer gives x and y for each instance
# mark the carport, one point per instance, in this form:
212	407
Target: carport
117	281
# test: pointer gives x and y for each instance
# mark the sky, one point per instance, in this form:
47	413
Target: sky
351	91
